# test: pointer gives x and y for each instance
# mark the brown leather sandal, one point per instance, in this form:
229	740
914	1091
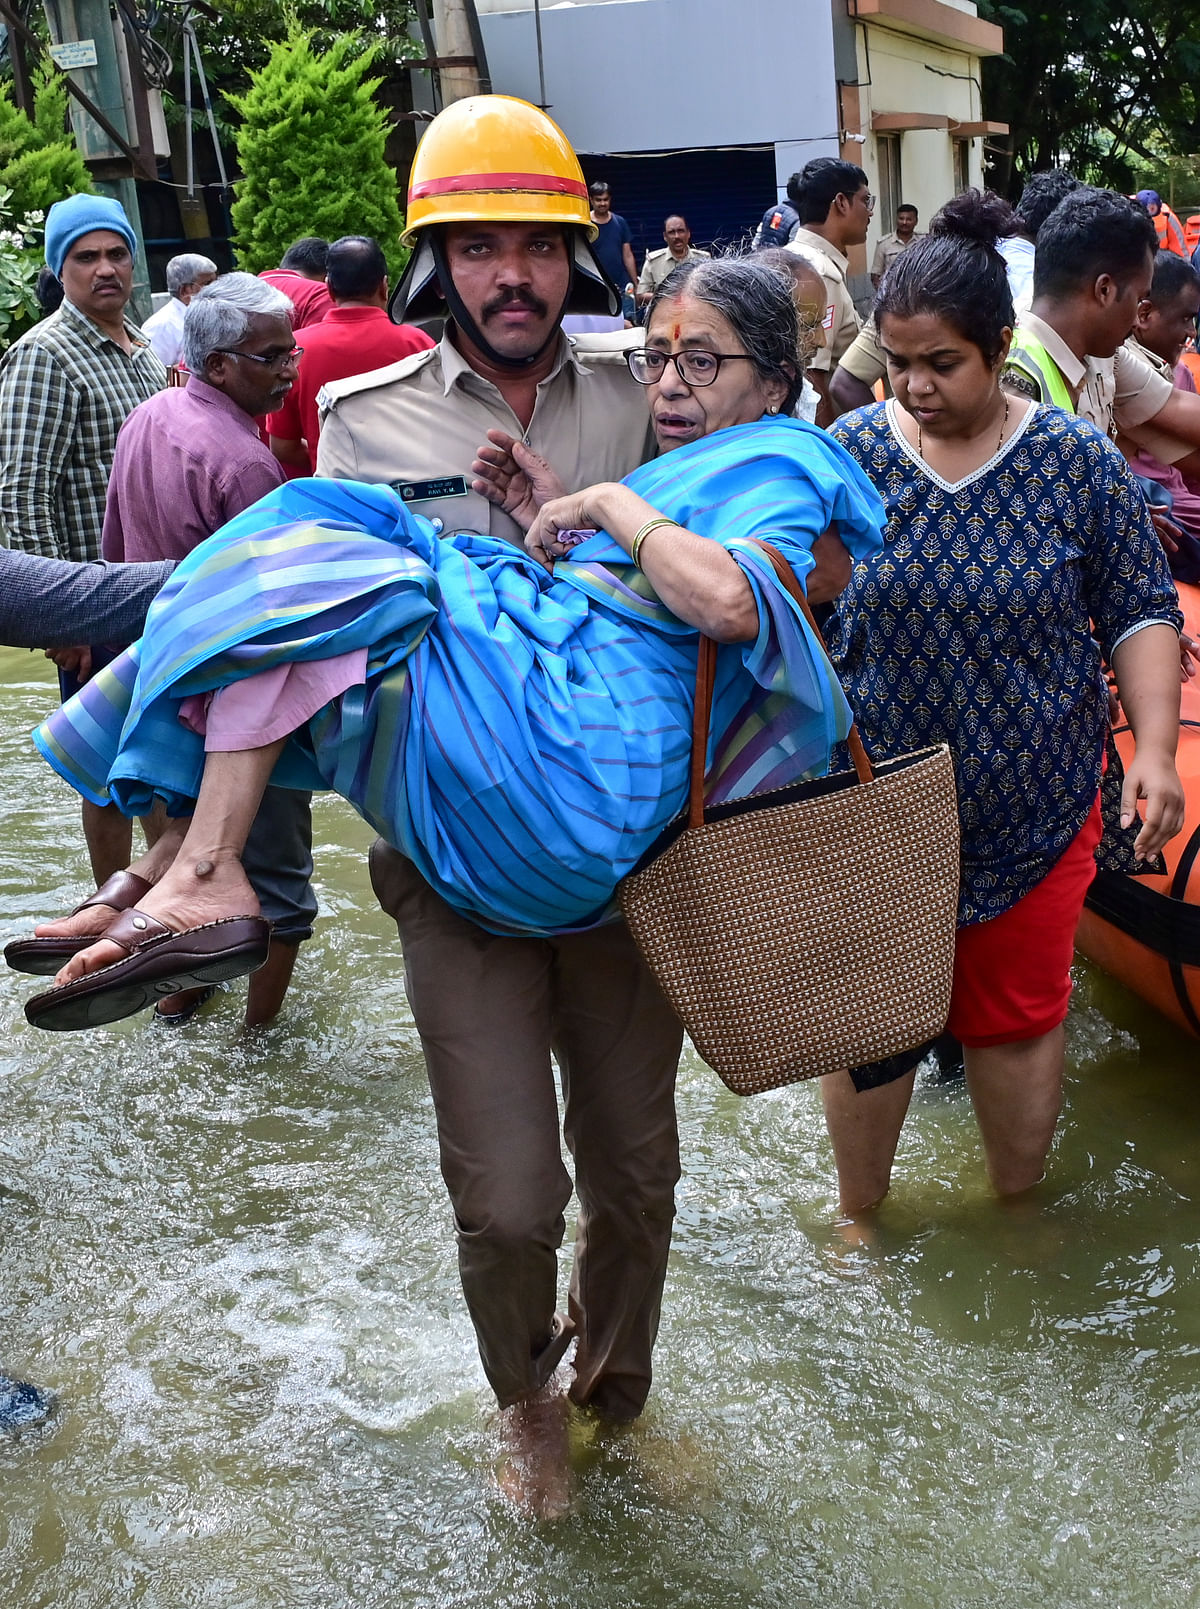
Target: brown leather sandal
43	956
160	962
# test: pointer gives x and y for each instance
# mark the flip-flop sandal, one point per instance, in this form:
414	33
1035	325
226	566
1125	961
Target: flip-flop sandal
43	957
160	963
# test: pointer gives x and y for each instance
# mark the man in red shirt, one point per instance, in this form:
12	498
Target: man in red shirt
301	278
354	337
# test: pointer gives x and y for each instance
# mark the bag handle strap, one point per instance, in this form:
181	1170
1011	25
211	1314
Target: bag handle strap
706	675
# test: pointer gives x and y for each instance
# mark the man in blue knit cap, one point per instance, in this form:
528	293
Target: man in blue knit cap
66	388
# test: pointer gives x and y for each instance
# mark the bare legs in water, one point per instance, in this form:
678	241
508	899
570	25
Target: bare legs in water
1016	1090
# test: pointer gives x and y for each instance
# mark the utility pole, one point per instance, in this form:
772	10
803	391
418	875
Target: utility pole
457	54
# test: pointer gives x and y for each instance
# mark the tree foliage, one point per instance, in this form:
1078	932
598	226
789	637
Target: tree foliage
311	151
237	42
242	36
1094	85
39	160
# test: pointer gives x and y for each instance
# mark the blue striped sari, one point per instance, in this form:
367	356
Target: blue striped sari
522	737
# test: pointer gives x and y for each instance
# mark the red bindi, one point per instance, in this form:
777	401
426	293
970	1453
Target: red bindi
675	336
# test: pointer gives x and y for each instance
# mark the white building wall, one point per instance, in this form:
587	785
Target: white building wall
661	75
900	73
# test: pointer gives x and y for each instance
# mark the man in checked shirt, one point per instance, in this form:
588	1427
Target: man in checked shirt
65	389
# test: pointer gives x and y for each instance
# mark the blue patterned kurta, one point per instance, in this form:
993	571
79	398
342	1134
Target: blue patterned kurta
523	737
974	627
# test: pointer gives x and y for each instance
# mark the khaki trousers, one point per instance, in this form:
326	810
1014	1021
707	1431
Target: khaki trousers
489	1011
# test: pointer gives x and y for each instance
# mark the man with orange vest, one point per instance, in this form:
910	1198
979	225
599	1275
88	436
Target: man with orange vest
1166	225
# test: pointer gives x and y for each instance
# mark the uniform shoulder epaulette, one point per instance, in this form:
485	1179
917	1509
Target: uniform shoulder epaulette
333	391
604	346
1020	383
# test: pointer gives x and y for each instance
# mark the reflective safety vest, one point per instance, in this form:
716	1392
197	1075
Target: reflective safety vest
1170	232
1028	357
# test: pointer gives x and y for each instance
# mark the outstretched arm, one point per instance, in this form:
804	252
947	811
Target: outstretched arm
54	603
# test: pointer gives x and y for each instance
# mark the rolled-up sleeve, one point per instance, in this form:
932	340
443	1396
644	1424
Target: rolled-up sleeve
38	418
1141	391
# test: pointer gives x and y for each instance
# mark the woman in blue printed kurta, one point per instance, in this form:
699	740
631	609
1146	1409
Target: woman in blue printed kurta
1018	552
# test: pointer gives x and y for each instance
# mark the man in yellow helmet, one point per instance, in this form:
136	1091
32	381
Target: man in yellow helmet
498	219
500	230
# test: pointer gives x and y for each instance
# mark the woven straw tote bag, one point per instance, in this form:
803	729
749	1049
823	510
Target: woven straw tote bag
807	929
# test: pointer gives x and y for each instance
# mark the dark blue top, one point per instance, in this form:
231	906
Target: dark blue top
974	627
607	245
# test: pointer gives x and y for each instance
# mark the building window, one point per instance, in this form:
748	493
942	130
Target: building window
962	165
887	160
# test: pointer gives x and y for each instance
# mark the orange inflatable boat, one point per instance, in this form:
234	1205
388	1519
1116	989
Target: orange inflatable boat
1145	930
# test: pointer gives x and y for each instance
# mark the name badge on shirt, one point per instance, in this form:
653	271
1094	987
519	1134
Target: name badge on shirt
421	491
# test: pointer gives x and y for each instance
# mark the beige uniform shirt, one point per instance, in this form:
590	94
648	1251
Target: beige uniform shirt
1117	394
888	249
417	424
659	264
863	358
842	322
1135	416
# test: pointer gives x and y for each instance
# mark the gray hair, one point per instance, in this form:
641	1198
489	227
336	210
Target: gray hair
186	270
757	301
219	315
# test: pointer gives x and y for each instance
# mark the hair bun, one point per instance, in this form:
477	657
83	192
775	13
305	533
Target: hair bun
975	215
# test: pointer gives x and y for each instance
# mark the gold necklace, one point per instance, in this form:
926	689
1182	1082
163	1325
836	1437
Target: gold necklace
999	439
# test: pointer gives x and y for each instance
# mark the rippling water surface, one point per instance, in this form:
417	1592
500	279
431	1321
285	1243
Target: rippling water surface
233	1262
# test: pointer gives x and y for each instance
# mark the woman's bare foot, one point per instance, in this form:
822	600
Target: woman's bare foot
535	1473
151	867
193	891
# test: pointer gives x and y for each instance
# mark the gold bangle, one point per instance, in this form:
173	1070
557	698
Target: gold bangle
635	547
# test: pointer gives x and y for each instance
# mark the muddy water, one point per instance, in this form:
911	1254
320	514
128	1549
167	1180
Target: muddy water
233	1262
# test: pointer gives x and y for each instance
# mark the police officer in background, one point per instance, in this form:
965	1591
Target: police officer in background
780	221
659	264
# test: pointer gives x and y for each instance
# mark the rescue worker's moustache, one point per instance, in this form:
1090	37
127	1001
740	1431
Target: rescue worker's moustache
515	298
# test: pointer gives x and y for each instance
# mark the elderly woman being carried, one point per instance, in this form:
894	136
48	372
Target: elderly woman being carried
517	723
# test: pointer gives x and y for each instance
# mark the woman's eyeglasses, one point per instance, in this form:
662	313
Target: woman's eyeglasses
694	366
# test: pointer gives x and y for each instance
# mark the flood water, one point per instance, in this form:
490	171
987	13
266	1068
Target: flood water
233	1262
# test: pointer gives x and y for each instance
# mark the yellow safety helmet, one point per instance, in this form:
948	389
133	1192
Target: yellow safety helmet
493	158
497	158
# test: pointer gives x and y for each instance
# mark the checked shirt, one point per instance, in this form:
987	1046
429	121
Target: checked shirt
66	389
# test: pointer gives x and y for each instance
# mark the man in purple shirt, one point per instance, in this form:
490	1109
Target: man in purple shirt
187	462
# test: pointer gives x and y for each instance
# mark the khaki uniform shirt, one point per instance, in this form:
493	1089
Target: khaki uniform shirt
659	264
1117	393
888	249
1135	414
842	322
417	424
863	358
